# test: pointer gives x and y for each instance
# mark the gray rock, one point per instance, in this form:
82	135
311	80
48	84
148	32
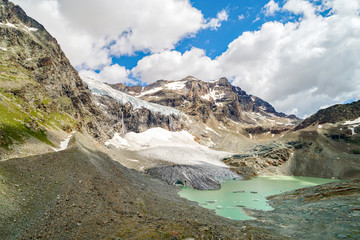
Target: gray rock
201	177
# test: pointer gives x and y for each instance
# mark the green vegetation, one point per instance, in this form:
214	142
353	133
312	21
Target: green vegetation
13	127
14	73
18	124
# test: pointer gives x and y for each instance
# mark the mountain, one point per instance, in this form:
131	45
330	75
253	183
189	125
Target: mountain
206	100
333	114
79	158
43	99
220	115
39	88
327	144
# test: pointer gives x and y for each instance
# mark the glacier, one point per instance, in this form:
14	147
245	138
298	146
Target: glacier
98	87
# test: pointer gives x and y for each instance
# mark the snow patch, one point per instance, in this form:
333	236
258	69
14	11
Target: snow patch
151	91
250	136
98	87
352	125
64	144
320	126
211	130
133	160
117	141
356	121
4	49
10	25
263	108
175	85
215	95
29	29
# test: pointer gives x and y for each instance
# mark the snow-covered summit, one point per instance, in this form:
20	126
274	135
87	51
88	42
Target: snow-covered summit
98	87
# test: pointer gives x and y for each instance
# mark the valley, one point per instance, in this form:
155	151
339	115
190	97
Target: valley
84	159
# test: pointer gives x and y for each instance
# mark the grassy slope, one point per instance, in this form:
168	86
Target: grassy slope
16	112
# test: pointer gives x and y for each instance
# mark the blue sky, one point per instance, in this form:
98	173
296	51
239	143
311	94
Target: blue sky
243	16
299	55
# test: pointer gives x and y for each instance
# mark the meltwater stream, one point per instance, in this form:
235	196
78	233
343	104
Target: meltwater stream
235	195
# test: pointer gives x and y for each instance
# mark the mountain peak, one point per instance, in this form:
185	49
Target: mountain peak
209	100
188	78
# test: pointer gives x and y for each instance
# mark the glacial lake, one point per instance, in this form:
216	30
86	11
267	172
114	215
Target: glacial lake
234	195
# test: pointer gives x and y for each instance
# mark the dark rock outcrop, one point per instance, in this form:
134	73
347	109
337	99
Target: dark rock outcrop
201	177
333	114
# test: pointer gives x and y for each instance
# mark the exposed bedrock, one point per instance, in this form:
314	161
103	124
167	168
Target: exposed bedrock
201	177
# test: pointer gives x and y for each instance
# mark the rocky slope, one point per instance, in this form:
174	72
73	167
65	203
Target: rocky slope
220	115
333	114
42	97
81	193
327	145
329	211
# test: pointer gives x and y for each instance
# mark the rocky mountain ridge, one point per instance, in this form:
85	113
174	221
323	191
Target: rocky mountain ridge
333	114
206	100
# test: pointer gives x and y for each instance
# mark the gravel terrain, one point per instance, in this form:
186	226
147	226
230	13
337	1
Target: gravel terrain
80	193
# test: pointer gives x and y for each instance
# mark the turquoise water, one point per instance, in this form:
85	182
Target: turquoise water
234	195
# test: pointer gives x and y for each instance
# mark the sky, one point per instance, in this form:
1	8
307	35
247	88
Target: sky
299	55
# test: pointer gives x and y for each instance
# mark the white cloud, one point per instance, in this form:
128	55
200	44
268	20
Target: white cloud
86	29
256	19
173	65
300	7
270	8
215	23
110	74
296	66
241	17
283	62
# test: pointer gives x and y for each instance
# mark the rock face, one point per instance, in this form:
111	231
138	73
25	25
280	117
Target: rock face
262	159
203	100
37	76
333	114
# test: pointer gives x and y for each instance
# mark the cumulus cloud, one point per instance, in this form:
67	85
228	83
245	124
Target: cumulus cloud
215	23
91	32
110	74
283	62
270	8
172	65
297	66
241	17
